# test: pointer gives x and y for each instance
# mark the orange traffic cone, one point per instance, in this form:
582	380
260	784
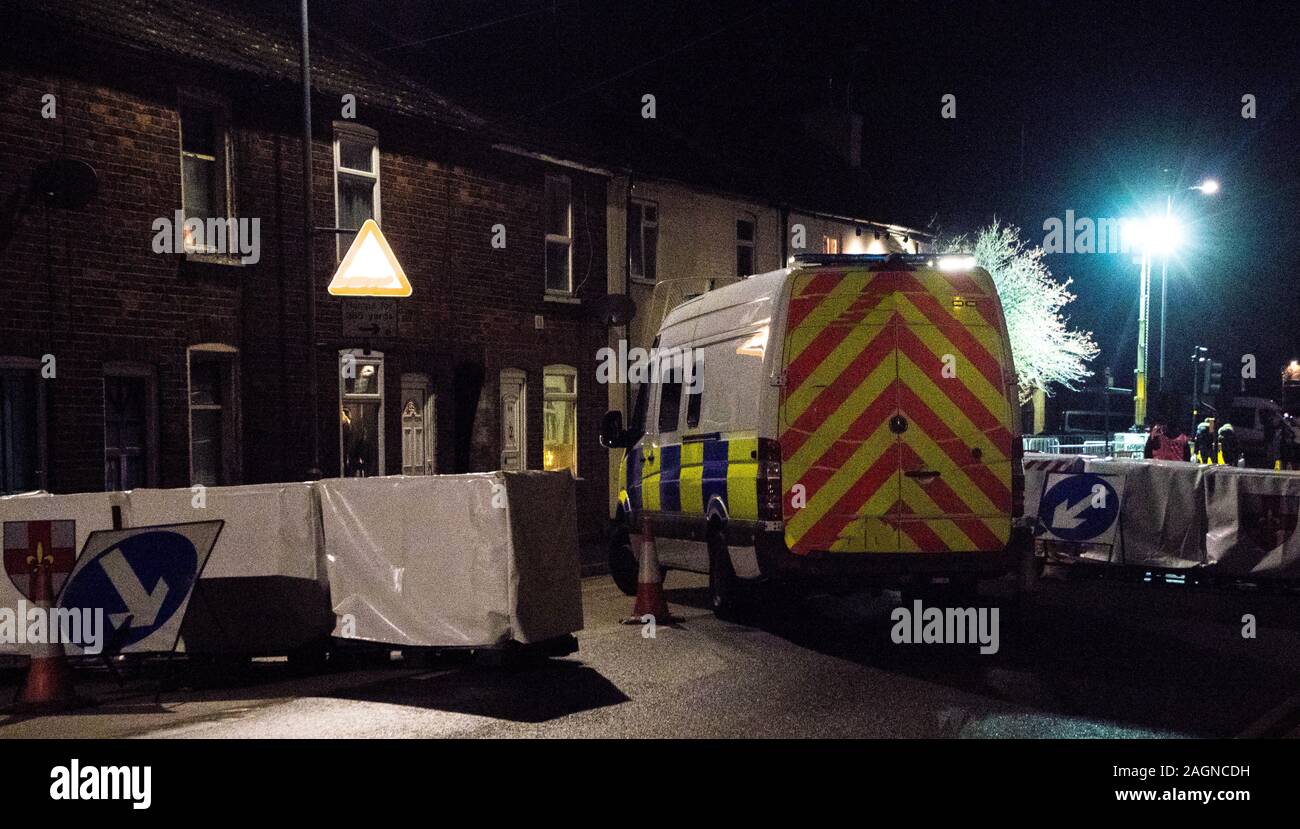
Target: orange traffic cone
48	686
650	599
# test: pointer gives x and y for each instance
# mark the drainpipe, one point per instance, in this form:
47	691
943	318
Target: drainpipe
309	263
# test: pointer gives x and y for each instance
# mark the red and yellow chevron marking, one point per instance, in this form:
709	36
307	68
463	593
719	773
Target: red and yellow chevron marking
862	347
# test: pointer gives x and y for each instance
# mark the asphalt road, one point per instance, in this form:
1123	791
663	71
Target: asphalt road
1081	659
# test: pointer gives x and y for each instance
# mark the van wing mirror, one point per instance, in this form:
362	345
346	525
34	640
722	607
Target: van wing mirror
612	433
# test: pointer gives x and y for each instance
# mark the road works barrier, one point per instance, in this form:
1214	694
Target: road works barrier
1233	522
444	560
264	589
453	560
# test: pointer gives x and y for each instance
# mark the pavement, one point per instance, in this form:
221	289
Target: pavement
1081	659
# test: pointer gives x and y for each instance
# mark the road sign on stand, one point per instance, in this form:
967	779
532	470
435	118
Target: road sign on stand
1080	507
141	579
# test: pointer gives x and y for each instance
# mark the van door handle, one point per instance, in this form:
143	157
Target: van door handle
923	476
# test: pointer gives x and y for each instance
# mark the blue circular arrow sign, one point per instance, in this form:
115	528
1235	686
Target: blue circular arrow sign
139	582
1079	507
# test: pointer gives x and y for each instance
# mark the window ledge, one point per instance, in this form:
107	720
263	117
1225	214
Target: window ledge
225	259
563	298
640	280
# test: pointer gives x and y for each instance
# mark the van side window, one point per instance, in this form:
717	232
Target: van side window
670	400
642	399
694	393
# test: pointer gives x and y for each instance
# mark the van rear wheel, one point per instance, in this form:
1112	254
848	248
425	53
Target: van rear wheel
622	562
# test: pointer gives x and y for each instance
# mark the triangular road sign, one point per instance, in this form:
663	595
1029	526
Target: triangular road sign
370	268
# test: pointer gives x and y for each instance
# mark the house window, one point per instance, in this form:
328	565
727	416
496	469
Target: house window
643	243
356	180
560	418
22	456
205	167
830	244
745	246
214	415
361	413
130	427
559	235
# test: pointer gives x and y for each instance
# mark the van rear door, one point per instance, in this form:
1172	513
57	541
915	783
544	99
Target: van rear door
840	463
956	451
895	423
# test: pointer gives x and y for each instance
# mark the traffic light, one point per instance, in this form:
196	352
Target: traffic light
1213	377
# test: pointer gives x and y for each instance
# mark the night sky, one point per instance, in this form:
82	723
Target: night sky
1060	106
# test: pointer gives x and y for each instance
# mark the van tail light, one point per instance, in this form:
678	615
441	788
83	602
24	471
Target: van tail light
770	492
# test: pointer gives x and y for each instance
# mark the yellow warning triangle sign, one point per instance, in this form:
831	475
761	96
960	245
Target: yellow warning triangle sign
370	268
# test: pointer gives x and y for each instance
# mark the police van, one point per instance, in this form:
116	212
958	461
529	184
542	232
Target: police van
851	418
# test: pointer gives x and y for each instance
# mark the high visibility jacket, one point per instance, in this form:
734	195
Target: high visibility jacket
1228	450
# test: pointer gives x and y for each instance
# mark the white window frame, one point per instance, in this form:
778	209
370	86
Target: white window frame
356	132
202	99
752	244
362	357
566	239
640	241
229	408
563	397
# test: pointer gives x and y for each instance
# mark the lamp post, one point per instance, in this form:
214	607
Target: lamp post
1208	187
1156	235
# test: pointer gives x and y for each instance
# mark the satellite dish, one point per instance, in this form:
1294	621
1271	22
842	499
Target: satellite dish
64	182
615	309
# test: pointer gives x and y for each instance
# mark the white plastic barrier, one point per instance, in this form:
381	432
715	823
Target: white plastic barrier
453	560
1037	466
1252	516
1240	523
264	589
91	511
1162	513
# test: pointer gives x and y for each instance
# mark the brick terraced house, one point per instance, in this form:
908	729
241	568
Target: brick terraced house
122	366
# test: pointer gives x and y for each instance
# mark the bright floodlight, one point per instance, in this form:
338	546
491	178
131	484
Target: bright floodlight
1209	187
1157	234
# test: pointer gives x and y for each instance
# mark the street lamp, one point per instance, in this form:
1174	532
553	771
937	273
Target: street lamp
1163	235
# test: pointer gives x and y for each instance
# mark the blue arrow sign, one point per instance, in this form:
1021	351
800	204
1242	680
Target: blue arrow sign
141	579
1080	507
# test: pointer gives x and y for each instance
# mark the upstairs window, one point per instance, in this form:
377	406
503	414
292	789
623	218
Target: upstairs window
559	235
205	167
643	241
356	180
745	245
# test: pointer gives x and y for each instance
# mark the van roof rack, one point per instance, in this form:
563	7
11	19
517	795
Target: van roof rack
912	259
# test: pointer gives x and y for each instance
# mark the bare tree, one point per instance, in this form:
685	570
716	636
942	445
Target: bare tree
1046	351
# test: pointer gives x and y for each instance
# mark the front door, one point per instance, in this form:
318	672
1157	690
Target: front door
418	426
514	423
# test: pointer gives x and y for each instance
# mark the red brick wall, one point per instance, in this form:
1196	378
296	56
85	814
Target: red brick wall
111	298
